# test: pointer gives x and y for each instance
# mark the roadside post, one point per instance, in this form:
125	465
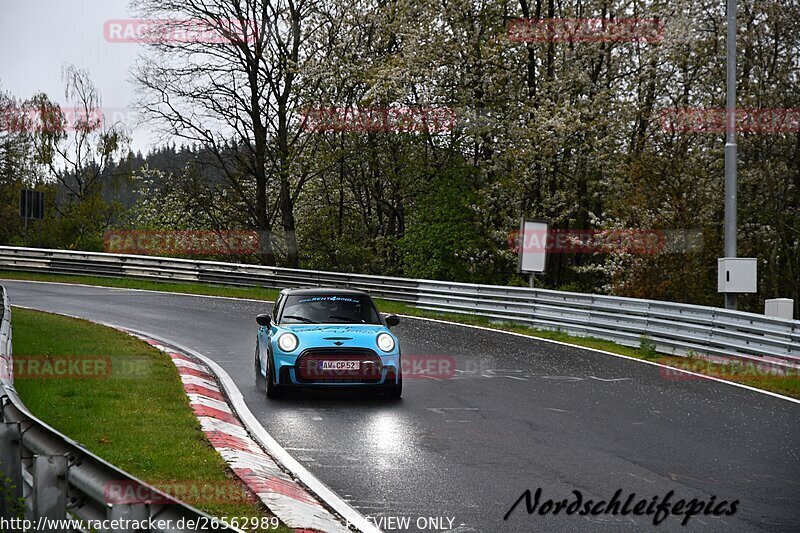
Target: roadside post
31	207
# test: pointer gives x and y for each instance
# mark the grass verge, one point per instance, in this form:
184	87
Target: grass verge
126	405
744	373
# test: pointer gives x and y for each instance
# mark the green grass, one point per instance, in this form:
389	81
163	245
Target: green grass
787	385
135	416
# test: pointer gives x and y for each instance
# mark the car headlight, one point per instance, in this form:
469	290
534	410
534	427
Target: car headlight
287	342
385	342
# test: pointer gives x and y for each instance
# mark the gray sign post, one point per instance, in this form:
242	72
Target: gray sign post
730	147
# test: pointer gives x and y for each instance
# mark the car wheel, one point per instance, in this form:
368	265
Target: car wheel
394	392
260	381
273	390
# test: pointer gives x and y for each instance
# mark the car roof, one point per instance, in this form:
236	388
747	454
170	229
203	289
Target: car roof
319	291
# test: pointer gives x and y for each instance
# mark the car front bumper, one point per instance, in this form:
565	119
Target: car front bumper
302	370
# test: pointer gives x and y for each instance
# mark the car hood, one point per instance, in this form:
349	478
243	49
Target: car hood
344	335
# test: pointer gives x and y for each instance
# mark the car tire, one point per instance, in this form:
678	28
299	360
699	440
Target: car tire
394	392
260	381
273	390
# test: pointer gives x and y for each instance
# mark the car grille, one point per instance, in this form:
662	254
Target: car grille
309	365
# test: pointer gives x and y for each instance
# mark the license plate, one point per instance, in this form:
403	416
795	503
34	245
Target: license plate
341	365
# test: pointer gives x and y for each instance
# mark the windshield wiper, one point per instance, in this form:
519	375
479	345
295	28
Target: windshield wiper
301	319
347	319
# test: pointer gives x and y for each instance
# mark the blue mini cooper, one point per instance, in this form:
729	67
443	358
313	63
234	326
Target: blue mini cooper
331	338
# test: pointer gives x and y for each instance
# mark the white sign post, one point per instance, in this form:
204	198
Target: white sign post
532	247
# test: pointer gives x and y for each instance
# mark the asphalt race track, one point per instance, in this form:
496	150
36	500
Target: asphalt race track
518	414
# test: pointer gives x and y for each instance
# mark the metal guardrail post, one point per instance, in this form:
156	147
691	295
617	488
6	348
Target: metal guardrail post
127	511
11	471
715	326
49	487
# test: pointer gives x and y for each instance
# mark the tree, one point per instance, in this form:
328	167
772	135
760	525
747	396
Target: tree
76	144
238	95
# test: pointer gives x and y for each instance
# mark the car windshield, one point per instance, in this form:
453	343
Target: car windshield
329	309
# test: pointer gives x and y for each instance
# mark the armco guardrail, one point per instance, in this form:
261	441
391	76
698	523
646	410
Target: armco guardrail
47	477
674	328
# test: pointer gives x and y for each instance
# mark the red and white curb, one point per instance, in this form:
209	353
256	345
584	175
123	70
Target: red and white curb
282	494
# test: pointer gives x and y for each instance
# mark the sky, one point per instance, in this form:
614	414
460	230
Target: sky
37	37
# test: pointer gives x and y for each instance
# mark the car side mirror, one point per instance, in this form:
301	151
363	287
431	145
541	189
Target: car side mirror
392	320
264	320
